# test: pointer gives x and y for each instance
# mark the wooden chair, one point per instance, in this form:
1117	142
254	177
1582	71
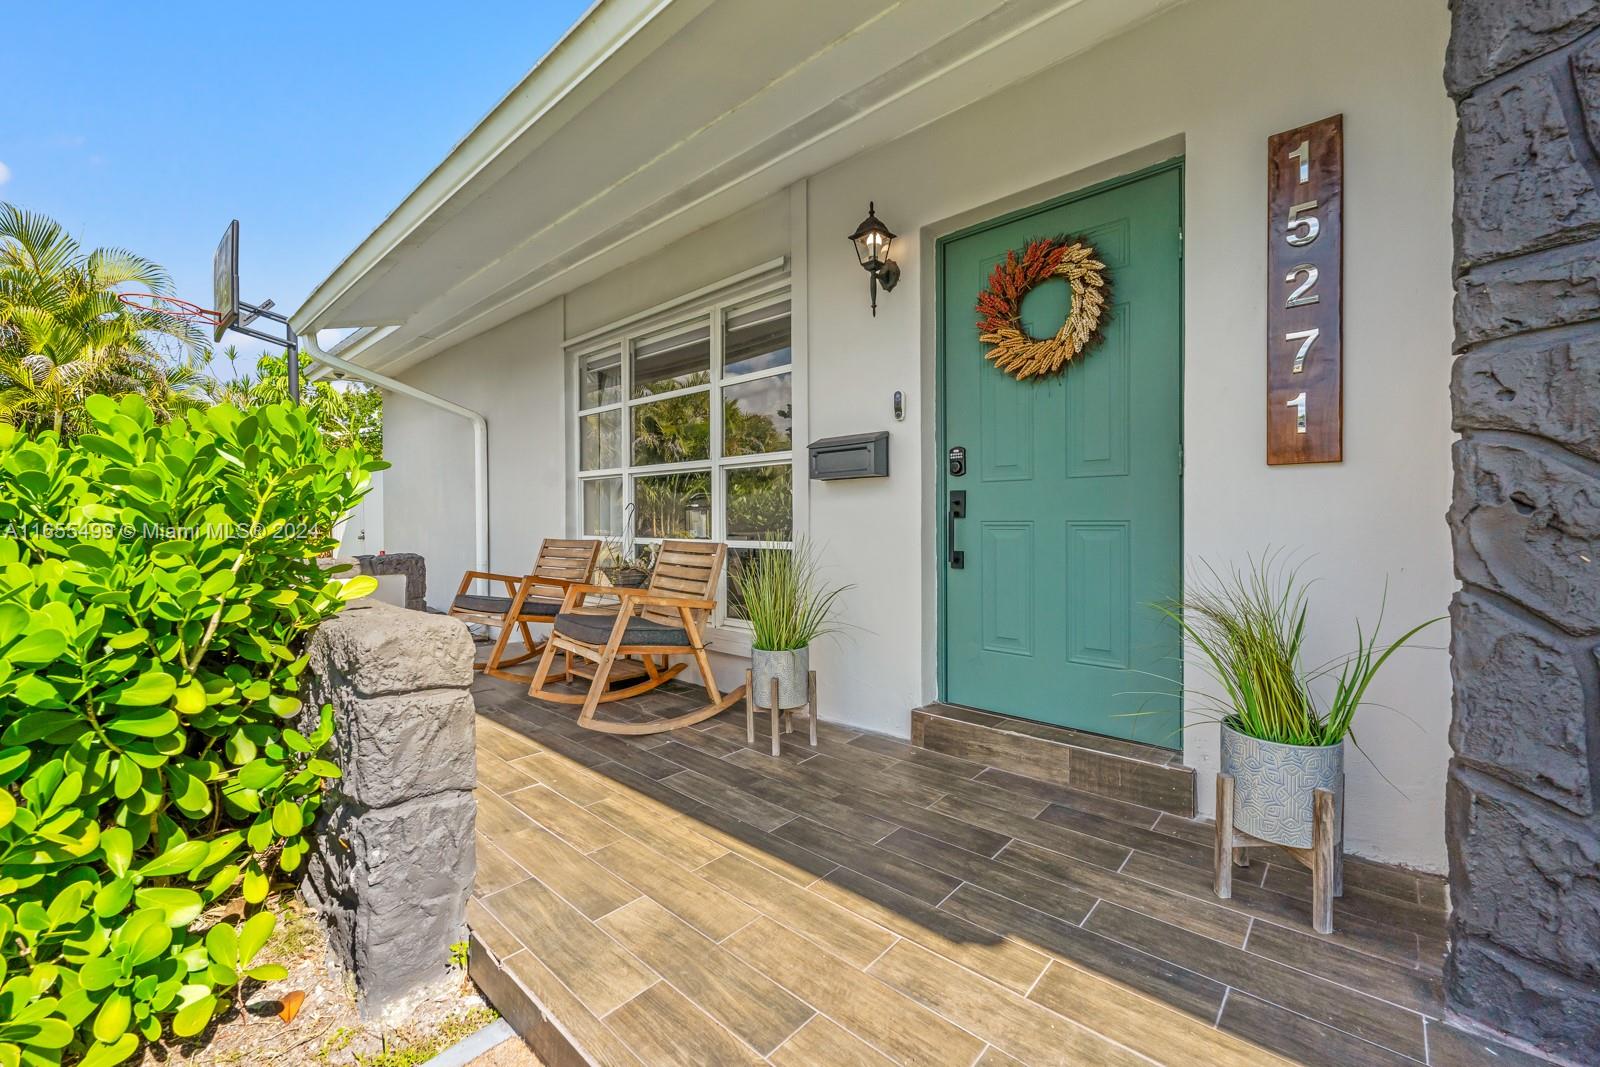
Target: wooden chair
532	598
623	641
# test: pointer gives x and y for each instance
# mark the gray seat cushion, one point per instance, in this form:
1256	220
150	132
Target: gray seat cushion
596	630
499	605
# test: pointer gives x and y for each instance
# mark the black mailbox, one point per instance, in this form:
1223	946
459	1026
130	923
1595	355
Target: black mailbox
856	455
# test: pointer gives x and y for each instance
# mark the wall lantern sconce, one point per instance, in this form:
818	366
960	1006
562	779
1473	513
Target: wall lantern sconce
872	239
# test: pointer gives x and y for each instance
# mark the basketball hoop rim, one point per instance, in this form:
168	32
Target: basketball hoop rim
169	305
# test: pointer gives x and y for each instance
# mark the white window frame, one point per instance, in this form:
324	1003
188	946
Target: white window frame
712	312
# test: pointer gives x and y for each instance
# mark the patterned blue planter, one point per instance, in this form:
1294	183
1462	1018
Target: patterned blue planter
1273	785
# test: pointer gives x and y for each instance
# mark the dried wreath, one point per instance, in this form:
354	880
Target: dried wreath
1012	350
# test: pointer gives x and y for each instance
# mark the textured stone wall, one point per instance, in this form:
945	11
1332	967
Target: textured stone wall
393	864
1523	827
410	564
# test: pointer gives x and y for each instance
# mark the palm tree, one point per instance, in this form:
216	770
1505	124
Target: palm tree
64	334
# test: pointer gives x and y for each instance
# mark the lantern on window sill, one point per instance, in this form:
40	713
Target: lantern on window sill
872	240
697	516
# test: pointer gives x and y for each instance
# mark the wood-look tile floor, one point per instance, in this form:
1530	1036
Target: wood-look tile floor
685	898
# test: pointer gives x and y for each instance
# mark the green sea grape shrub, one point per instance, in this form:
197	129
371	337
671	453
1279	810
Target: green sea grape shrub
158	584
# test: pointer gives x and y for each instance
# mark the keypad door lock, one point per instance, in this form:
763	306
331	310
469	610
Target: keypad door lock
958	461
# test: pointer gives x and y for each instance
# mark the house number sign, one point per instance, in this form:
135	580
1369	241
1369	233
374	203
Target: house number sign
1305	267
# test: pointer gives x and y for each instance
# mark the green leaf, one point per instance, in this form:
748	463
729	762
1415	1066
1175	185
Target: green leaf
46	1033
12	763
129	778
152	687
188	791
324	769
222	944
176	860
259	774
259	836
286	818
179	906
219	582
144	722
115	1015
192	1018
190	699
112	898
268	972
239	748
128	639
117	846
33	690
356	588
102	1055
39	646
8	808
253	935
256	885
99	973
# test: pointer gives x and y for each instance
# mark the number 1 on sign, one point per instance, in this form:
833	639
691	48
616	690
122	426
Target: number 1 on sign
1302	152
1299	404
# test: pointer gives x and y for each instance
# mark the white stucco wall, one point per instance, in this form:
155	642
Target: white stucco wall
1221	76
755	235
513	376
1209	80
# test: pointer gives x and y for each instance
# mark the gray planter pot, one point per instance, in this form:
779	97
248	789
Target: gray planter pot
791	668
1273	785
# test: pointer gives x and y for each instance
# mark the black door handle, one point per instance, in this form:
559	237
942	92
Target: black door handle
958	510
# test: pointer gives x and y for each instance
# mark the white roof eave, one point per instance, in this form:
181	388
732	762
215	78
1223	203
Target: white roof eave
599	35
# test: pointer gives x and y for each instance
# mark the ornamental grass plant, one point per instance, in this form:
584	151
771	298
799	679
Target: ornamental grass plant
1250	628
785	600
158	583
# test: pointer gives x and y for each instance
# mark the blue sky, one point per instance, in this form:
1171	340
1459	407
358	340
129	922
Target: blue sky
149	126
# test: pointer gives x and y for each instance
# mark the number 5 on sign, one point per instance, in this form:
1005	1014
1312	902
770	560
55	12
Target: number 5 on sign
1305	282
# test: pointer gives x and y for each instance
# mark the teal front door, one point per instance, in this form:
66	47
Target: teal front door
1071	527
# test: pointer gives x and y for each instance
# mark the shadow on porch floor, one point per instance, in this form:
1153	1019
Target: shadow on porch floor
685	898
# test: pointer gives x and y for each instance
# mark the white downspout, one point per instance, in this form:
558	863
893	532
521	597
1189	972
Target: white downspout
480	435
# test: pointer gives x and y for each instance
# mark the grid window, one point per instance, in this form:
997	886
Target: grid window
687	432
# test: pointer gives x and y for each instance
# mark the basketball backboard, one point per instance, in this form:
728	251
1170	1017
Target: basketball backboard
225	280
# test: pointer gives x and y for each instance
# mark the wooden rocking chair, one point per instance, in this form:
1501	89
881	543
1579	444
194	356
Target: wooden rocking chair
624	641
536	597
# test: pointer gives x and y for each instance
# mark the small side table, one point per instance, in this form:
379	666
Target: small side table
785	714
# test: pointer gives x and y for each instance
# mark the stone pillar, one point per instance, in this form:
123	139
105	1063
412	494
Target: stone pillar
410	564
1524	833
393	863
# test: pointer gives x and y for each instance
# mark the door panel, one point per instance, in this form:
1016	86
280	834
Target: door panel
1073	525
1007	549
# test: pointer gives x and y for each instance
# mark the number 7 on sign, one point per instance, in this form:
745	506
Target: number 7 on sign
1307	338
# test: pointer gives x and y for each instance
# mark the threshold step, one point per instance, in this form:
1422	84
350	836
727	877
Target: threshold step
1107	766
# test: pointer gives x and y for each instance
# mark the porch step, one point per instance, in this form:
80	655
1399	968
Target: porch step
1122	770
528	1015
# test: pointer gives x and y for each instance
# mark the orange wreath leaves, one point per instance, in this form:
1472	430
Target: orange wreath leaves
999	306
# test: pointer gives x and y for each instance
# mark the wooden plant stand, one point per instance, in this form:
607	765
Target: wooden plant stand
786	714
1325	857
